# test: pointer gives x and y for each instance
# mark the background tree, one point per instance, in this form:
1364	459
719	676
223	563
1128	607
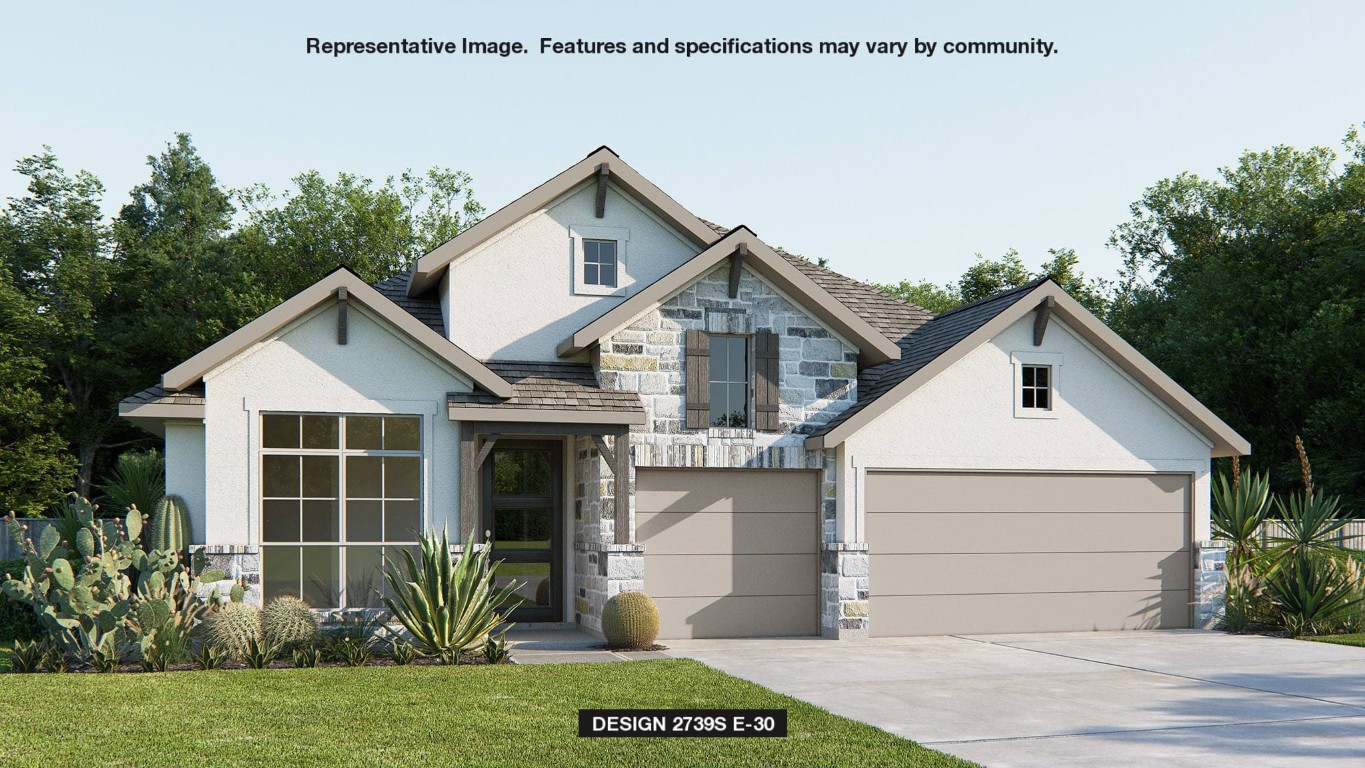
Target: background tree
1249	289
987	277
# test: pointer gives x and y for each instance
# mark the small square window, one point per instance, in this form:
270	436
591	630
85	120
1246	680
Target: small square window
1036	383
599	262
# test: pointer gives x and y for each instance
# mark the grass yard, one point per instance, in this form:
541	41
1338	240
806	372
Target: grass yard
1355	639
467	716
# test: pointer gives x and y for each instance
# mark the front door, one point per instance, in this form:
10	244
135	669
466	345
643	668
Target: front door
523	492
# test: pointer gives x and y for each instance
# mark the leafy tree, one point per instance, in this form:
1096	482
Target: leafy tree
58	283
376	231
1249	289
987	277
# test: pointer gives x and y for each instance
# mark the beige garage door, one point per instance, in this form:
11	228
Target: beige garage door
965	553
730	553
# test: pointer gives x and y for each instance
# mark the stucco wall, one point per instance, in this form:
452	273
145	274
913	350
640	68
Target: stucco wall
512	298
185	471
964	419
304	369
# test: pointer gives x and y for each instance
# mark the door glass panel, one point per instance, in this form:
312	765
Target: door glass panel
522	528
521	473
533	578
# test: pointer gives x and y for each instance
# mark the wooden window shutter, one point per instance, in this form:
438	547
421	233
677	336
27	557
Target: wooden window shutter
767	371
697	398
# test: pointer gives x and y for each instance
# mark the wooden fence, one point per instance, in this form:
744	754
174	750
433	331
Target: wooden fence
9	548
1350	535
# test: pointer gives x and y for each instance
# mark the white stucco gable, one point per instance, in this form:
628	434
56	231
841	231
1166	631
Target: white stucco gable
303	368
517	295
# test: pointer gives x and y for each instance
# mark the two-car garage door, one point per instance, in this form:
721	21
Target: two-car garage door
966	553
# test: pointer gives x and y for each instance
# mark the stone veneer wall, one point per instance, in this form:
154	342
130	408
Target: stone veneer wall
818	381
1210	582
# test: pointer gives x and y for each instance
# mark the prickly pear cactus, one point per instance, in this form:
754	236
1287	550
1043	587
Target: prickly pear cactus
81	589
289	623
630	620
170	528
233	628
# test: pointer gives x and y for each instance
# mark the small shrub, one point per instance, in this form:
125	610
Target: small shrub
259	654
353	652
497	649
630	620
53	659
1313	595
232	628
402	652
307	657
289	623
209	657
106	658
28	656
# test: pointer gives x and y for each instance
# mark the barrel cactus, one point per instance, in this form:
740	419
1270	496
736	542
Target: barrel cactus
232	628
630	620
170	527
289	623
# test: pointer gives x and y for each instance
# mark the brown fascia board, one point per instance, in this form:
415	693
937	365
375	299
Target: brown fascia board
458	412
192	370
429	268
1225	440
874	348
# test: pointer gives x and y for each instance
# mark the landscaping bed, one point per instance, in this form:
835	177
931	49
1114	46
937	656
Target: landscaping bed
431	715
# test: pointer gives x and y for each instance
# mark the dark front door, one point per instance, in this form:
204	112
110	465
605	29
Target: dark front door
523	493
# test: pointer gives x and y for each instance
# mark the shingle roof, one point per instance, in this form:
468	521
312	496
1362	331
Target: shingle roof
426	308
549	386
926	343
159	395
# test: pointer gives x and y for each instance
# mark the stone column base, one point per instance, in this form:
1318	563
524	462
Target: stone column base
844	588
1210	583
600	572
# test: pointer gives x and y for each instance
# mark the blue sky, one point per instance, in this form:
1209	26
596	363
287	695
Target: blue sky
888	167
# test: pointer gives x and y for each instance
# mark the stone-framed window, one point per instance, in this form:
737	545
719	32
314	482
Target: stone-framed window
339	493
729	381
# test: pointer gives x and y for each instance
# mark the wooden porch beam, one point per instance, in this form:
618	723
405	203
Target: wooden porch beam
469	482
736	262
486	449
602	448
603	173
1043	312
621	468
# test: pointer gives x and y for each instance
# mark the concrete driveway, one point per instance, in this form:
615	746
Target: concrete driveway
1168	698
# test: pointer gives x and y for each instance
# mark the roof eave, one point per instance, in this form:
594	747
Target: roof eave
458	412
427	272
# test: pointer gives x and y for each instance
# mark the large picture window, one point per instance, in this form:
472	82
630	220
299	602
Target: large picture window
338	495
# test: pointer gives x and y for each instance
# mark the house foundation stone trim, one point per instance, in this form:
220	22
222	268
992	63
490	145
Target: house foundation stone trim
1210	582
844	591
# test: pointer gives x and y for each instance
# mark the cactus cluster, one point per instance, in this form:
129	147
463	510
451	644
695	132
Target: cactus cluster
289	623
233	628
80	587
170	528
630	620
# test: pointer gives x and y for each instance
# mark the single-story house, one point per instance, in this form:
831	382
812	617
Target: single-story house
623	396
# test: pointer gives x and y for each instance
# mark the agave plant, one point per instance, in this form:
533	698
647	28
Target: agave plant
1313	595
138	480
447	606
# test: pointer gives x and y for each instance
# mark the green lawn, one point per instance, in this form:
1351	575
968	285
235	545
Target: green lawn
494	716
1356	639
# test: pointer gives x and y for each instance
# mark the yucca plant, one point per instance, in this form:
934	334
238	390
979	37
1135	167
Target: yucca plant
1240	508
28	655
1313	594
448	607
106	658
138	480
1311	523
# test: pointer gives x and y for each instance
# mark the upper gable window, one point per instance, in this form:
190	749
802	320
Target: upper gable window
1037	376
729	381
599	260
599	263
